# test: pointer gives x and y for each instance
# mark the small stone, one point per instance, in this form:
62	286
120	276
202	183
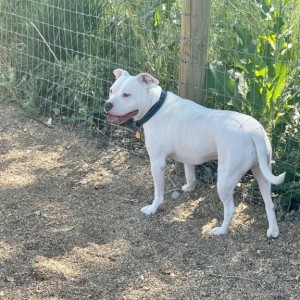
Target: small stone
295	262
175	195
83	182
44	215
56	111
10	279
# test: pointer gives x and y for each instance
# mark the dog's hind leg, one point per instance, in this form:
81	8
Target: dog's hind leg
158	173
265	189
225	185
190	176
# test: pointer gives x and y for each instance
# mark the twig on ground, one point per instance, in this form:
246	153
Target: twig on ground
43	123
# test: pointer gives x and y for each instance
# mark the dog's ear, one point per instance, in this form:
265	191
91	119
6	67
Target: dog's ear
119	72
147	78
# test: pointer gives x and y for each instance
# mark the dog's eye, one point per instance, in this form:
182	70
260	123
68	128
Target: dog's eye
110	91
126	95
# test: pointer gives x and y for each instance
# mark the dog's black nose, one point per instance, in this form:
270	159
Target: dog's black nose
108	106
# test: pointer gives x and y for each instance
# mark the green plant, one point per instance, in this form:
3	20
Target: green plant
256	81
69	48
286	146
257	76
225	13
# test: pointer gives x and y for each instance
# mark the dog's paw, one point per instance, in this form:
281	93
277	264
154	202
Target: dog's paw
273	232
188	188
219	231
149	209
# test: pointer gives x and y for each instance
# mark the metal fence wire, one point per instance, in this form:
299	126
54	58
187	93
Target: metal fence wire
57	58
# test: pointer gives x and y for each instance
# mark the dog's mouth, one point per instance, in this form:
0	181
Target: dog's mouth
117	120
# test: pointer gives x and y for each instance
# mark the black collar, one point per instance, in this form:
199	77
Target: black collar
153	110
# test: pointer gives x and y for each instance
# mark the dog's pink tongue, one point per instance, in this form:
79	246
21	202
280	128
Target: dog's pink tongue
120	119
113	119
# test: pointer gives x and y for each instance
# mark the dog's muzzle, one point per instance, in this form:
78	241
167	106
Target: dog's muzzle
115	119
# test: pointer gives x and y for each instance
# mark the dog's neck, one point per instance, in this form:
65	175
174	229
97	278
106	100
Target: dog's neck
153	95
153	110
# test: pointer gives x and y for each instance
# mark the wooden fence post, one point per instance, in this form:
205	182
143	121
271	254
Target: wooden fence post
194	48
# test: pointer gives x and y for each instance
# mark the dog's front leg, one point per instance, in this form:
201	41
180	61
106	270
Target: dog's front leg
190	176
158	166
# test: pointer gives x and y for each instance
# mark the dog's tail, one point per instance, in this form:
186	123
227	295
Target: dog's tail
264	154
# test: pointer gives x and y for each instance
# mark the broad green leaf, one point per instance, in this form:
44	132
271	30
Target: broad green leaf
281	69
219	81
261	72
256	96
156	18
271	39
245	39
241	65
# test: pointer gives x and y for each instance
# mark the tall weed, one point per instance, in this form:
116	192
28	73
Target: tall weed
256	81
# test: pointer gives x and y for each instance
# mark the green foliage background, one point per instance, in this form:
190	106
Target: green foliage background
58	55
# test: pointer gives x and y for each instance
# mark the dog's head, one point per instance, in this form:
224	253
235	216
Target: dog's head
128	96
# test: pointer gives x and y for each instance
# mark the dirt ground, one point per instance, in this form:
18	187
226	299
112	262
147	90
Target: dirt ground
70	227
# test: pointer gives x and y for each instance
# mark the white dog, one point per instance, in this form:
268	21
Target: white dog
192	134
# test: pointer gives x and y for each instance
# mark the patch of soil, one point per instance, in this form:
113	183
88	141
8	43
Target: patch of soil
70	226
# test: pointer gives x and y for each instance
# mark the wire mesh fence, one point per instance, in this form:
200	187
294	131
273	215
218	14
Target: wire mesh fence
57	58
